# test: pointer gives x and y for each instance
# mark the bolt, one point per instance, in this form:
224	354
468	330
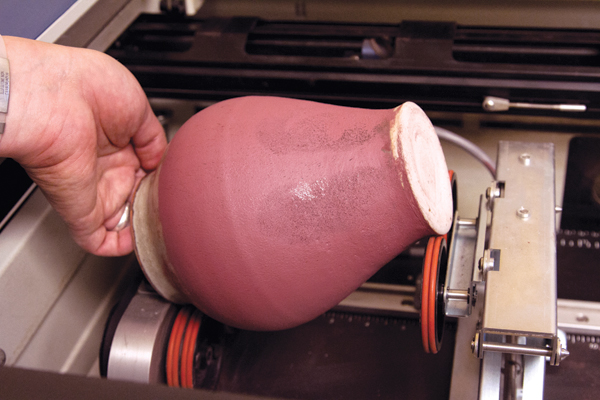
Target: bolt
487	262
581	317
559	353
475	344
492	192
523	213
525	159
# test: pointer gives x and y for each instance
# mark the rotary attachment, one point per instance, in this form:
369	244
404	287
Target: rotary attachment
150	340
497	272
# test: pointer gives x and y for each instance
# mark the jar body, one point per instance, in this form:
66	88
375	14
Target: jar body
272	210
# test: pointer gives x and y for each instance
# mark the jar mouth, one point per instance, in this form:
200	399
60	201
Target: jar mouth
149	244
416	145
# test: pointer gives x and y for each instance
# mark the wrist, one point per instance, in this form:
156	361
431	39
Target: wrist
4	85
38	82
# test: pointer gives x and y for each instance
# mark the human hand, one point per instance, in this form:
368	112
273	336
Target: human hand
82	127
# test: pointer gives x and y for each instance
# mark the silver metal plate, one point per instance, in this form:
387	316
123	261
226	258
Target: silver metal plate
520	296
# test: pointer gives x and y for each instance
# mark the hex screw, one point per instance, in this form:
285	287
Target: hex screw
525	159
581	317
523	213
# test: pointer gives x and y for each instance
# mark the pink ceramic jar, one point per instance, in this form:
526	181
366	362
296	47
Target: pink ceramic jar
267	211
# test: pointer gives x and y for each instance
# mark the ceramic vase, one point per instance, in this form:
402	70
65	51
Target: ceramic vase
266	212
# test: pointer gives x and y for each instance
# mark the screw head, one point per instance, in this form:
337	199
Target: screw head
475	344
523	213
492	192
525	159
581	317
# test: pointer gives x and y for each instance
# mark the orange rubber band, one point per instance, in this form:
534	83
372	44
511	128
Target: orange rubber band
174	349
169	363
425	294
187	354
182	339
433	294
